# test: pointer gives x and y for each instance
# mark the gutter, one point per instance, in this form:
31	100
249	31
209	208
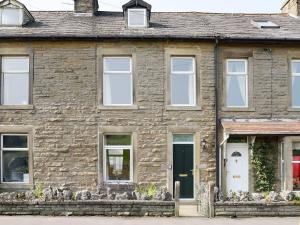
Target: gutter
216	56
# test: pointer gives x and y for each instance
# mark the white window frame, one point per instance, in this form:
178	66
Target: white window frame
294	75
244	74
137	10
117	147
13	150
21	17
188	73
111	73
12	74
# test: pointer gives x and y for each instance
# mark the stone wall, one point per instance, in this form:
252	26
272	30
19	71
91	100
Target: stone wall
66	117
250	209
89	208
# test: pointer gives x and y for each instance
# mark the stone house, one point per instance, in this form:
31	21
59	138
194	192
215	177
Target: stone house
91	97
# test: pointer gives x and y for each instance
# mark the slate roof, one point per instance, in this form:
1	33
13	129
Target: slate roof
163	25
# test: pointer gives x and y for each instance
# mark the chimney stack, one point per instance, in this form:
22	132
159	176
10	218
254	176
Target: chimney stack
291	7
86	6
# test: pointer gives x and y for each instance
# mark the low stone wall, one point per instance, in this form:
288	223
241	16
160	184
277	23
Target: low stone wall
89	208
250	209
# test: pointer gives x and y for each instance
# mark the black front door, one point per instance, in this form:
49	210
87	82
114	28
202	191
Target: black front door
183	163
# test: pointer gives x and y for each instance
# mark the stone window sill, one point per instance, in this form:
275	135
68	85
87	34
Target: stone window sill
290	109
16	107
183	108
227	109
132	107
12	187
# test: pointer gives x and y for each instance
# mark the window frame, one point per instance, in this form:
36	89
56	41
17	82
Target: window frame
110	73
192	73
117	147
28	73
136	10
245	74
2	149
21	17
291	81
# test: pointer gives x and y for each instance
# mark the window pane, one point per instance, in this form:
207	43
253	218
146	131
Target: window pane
183	138
11	16
137	17
16	89
117	64
117	89
236	66
118	139
15	64
182	65
182	89
296	67
15	167
15	141
296	91
118	164
236	91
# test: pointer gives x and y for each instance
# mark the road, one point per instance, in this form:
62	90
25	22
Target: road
36	220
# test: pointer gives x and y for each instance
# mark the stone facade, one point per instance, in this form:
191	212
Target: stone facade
67	120
269	88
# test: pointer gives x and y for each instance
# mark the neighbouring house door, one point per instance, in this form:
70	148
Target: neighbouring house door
237	167
183	159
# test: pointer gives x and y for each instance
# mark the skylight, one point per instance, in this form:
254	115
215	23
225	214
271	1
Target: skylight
264	24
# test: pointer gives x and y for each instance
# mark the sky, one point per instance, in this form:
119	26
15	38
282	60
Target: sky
246	6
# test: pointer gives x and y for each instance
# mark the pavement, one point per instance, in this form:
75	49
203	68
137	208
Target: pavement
37	220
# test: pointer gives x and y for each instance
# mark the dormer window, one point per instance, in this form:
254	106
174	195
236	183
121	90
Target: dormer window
137	18
137	14
14	13
11	16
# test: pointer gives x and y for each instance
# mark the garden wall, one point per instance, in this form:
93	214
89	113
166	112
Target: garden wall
249	209
89	208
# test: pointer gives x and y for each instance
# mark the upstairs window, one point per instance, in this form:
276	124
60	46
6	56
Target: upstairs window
295	84
117	81
137	18
237	83
15	80
11	16
183	81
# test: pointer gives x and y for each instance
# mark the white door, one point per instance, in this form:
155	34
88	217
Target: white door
237	167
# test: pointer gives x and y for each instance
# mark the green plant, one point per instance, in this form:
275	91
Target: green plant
263	166
38	191
149	190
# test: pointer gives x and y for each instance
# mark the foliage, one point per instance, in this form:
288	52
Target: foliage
148	190
38	191
263	166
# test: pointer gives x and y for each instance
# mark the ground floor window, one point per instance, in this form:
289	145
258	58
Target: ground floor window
118	158
14	158
296	169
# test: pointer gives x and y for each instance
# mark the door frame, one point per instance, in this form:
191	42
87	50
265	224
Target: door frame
249	166
194	163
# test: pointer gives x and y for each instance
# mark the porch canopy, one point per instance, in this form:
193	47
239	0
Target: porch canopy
261	127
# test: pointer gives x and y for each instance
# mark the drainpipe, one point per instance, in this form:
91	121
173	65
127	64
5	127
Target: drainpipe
216	57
